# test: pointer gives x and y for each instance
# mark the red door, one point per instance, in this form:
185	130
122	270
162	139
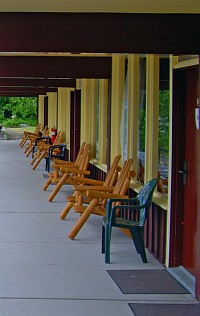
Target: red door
190	166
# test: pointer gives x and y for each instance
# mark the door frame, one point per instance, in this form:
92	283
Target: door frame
197	285
177	188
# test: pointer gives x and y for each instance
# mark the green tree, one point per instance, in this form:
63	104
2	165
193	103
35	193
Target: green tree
22	109
164	120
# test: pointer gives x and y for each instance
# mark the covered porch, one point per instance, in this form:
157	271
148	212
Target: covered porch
45	273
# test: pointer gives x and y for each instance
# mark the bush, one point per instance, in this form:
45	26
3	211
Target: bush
23	110
15	122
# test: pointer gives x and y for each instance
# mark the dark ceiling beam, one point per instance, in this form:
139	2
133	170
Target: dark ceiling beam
18	94
55	67
27	82
35	90
100	32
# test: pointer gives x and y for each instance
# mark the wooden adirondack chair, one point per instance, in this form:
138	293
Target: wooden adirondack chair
99	198
57	164
40	141
42	151
90	184
27	135
69	173
110	178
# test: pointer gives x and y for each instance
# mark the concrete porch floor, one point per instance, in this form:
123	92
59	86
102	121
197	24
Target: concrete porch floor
42	271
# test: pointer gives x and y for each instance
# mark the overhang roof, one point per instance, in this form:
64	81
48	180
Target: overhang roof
100	33
37	36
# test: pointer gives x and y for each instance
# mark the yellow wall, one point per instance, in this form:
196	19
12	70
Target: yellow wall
89	95
117	94
103	114
52	109
133	105
152	113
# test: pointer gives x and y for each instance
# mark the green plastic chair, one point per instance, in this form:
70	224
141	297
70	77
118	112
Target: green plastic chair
139	206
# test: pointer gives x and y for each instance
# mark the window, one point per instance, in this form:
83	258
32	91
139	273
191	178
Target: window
163	141
101	121
124	121
97	121
142	119
163	128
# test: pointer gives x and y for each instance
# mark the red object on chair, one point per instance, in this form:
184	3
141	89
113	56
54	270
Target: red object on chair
53	134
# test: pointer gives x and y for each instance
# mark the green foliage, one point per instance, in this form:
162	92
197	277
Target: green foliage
15	122
142	121
142	128
163	140
18	110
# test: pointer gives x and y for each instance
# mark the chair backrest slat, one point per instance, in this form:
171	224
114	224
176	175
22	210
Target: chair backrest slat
77	161
122	177
37	128
145	198
110	178
59	138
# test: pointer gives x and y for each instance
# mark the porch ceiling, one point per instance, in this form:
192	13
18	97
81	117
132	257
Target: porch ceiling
78	43
34	75
32	86
100	33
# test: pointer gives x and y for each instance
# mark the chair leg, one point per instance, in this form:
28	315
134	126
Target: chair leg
58	186
35	157
135	240
46	185
25	150
23	141
66	210
39	159
108	230
29	151
83	218
47	168
103	239
137	235
33	152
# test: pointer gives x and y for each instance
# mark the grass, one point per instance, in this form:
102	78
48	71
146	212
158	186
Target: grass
17	132
21	129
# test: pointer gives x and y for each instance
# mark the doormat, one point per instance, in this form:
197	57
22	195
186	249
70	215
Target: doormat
165	309
157	281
